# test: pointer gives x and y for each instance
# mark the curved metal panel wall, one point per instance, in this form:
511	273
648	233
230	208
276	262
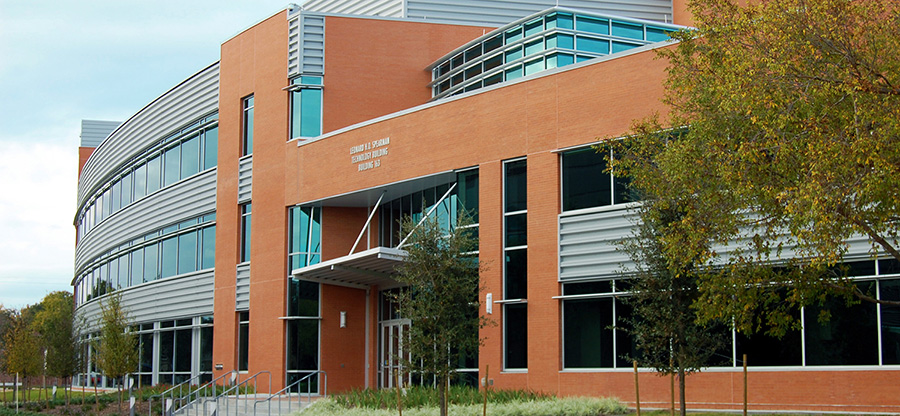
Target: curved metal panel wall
177	297
196	96
383	8
189	198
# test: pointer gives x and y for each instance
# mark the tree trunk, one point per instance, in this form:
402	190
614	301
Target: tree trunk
442	393
681	391
67	384
120	397
96	397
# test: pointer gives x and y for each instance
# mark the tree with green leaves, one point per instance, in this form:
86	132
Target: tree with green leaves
782	138
23	352
664	289
55	325
116	349
441	299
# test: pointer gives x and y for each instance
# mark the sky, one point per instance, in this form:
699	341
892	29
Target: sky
64	61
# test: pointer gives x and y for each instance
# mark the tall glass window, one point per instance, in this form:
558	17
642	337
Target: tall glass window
243	340
304	236
306	107
247	125
245	232
515	268
303	331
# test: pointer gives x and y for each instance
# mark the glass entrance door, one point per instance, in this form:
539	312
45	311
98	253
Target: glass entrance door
392	354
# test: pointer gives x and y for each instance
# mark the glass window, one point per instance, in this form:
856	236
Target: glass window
516	334
588	333
306	109
627	30
765	350
564	21
493	79
513	34
533	27
206	340
137	267
169	257
209	248
153	173
535	66
473	71
493	62
303	344
622	46
187	252
245	232
565	41
850	337
304	298
513	54
140	182
243	340
534	47
210	148
473	52
515	186
123	271
655	34
247	145
592	25
172	171
183	350
584	182
890	321
516	274
166	350
151	267
116	196
493	43
190	157
592	45
516	230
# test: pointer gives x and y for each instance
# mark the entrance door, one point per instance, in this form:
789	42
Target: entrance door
391	352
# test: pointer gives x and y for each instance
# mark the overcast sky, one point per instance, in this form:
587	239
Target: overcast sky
64	61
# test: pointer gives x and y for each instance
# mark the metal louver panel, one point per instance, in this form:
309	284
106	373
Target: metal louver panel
245	179
242	288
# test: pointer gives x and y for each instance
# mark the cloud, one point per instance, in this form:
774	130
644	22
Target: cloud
37	200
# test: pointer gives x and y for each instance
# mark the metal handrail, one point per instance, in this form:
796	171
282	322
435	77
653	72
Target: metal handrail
237	386
299	402
205	387
162	395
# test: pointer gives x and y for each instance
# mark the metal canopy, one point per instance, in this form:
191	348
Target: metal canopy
373	267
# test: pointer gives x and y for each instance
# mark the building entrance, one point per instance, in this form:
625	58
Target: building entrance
392	353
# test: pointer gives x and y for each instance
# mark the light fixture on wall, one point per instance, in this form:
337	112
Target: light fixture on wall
489	304
343	319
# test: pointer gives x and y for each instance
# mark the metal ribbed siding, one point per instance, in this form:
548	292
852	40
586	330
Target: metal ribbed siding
383	8
498	13
306	43
177	297
245	179
94	131
189	198
242	288
587	244
196	96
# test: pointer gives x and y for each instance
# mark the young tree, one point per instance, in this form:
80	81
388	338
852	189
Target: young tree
792	113
23	350
441	299
116	352
55	324
664	290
